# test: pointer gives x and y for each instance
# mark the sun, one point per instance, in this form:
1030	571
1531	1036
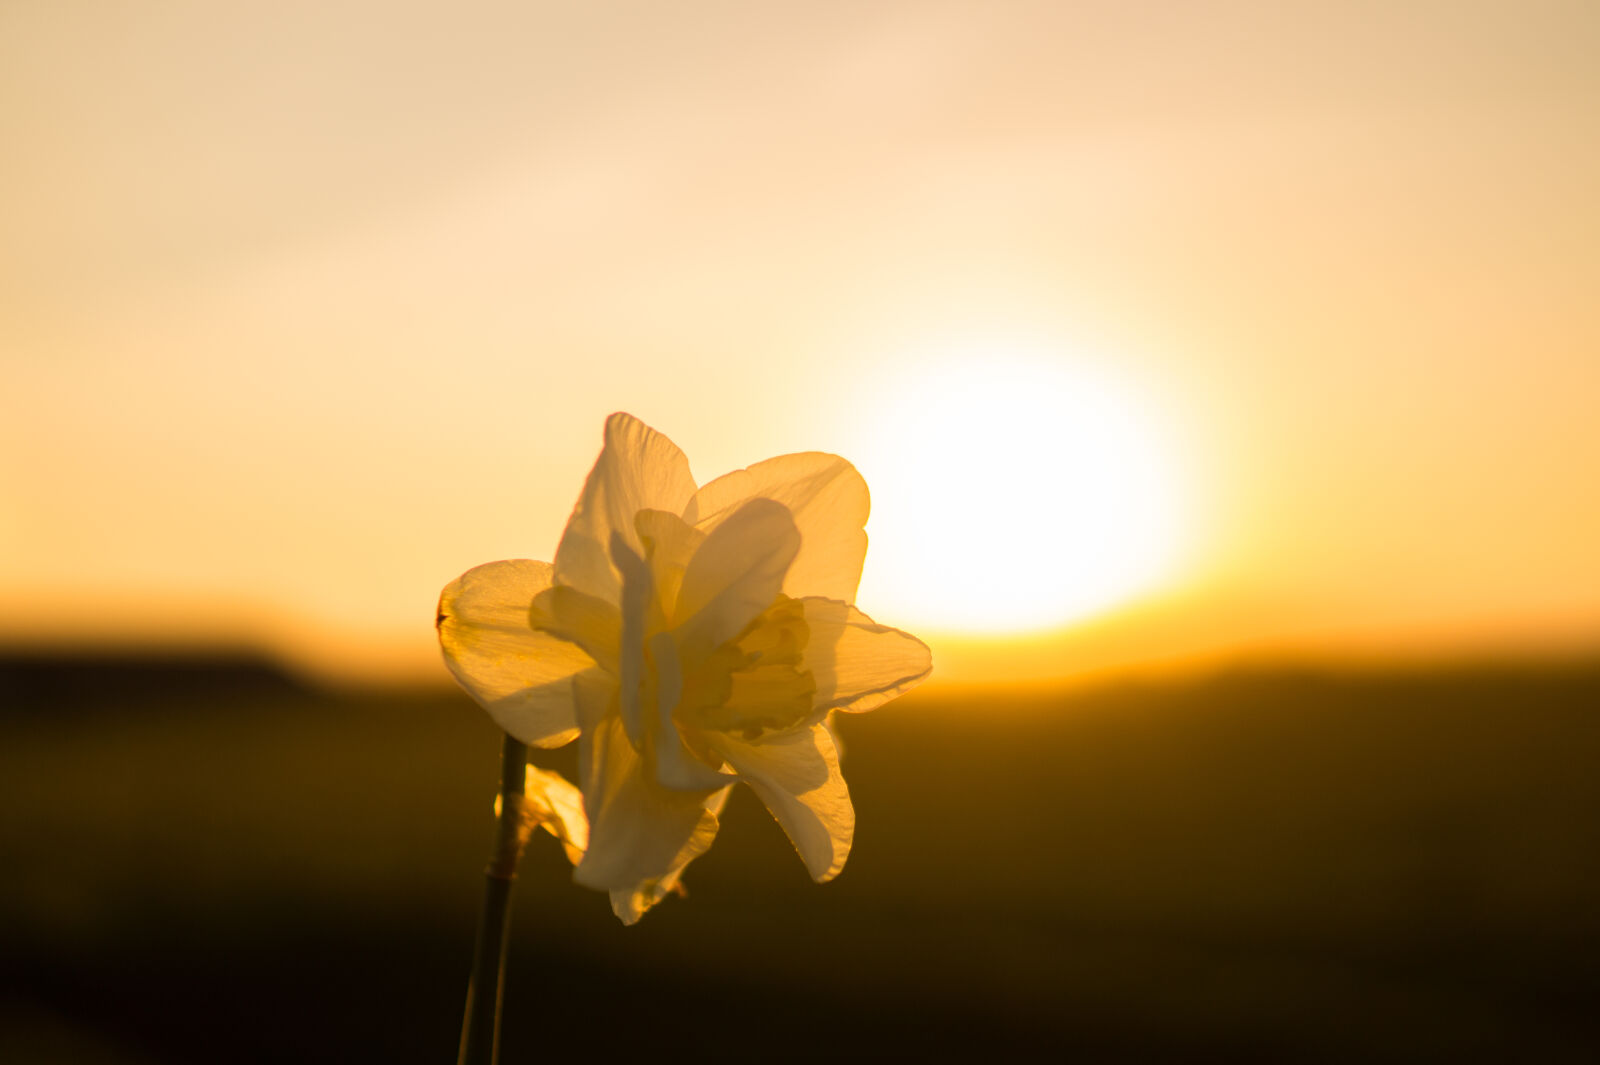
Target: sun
1014	491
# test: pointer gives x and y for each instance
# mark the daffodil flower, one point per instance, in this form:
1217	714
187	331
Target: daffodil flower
690	638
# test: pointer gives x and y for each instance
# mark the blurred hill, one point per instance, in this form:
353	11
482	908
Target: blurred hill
46	681
211	860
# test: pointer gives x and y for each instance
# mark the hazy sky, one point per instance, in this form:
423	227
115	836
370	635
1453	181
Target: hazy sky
307	307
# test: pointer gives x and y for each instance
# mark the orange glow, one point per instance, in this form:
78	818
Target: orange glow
303	312
1036	489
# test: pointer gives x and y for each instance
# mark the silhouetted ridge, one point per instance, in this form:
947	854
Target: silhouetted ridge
40	682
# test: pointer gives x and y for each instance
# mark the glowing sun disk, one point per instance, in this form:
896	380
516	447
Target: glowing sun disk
1014	494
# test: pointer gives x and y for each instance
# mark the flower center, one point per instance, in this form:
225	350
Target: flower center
753	685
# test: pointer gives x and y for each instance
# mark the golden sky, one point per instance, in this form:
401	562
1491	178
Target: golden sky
307	308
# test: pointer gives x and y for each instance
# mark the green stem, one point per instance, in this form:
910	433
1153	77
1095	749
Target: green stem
480	1028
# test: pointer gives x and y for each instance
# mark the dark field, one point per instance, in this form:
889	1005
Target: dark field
212	864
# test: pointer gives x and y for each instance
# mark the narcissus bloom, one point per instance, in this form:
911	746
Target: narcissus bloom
689	638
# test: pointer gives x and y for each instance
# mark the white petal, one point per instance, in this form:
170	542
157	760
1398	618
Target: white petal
594	692
629	904
858	664
593	624
638	468
523	677
638	830
669	543
640	618
734	575
829	502
550	801
675	767
797	775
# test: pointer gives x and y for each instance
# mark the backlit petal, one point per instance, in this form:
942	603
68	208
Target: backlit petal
523	677
858	664
638	830
829	502
629	904
669	543
676	767
551	802
797	775
638	468
593	624
734	576
640	618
